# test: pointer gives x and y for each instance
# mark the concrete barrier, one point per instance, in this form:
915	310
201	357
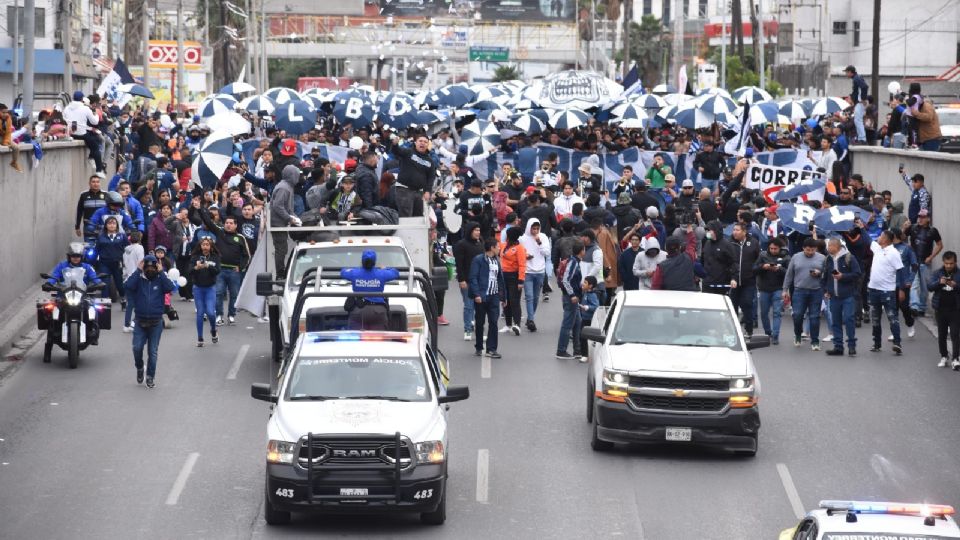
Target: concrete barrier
941	173
39	207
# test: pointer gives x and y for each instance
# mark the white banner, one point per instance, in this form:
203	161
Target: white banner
770	179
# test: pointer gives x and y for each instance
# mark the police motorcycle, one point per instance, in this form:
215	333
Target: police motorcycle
73	317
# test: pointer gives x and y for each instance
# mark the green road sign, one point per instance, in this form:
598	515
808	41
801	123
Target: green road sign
489	54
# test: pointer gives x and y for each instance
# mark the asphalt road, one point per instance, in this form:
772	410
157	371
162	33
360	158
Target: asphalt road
88	453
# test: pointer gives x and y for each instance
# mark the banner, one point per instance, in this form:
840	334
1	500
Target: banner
489	10
771	179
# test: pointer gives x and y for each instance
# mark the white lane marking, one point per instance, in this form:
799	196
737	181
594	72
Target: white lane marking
485	366
483	475
791	490
241	354
182	478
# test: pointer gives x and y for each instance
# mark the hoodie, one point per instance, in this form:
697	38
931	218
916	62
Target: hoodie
281	203
897	217
719	257
644	266
538	249
465	250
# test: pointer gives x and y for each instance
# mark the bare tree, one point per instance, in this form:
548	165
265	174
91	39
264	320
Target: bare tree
736	20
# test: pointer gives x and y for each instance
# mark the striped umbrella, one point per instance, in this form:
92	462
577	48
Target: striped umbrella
216	104
569	119
676	99
480	136
528	123
490	92
282	95
237	88
715	104
230	122
714	92
829	105
629	111
751	94
650	101
258	105
662	89
793	110
763	113
632	123
214	157
695	118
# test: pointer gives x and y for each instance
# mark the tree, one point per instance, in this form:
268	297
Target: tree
220	18
744	73
506	72
647	47
736	34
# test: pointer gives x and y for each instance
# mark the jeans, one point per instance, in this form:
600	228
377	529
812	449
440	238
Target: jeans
128	314
948	321
743	298
771	301
708	183
919	293
280	249
899	140
151	338
905	307
512	311
205	300
115	282
487	313
409	202
843	320
933	145
532	285
569	325
887	301
469	307
92	140
807	301
858	112
228	282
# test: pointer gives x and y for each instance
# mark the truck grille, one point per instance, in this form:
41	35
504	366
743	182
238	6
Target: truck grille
681	404
721	385
373	451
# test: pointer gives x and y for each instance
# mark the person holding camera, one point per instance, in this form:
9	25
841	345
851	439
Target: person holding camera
204	267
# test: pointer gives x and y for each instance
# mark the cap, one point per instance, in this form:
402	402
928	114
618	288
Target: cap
78	95
585	167
687	183
850	69
160	248
150	259
924	213
529	190
350	164
462	149
749	152
652	212
368	255
624	198
348	179
356	143
289	147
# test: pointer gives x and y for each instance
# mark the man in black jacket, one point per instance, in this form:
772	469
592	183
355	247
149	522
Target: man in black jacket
464	252
710	164
368	183
417	175
770	269
627	216
719	260
538	209
90	201
744	290
234	257
641	199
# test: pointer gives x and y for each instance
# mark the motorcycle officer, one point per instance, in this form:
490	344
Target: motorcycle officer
368	312
115	207
74	260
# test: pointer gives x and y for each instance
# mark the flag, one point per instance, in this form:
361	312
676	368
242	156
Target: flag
682	79
737	145
632	83
117	76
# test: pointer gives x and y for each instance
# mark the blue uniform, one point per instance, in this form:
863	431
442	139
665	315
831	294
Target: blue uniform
89	278
373	280
95	225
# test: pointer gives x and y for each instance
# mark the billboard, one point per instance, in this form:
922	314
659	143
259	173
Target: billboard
163	54
490	10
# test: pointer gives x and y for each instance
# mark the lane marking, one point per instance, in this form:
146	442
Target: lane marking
182	478
241	354
485	366
791	490
483	475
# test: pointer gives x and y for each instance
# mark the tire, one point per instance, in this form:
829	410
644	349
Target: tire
438	516
271	515
750	453
590	398
73	344
595	443
47	349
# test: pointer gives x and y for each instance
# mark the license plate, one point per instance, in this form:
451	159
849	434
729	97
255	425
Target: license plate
354	492
679	433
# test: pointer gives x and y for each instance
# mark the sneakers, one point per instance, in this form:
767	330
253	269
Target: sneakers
890	337
128	329
531	326
911	331
442	321
582	358
943	362
955	365
563	355
852	352
139	376
200	342
835	352
774	341
515	329
17	167
797	342
875	348
897	350
505	329
215	336
828	339
150	383
467	336
478	352
494	354
546	298
814	346
231	320
219	320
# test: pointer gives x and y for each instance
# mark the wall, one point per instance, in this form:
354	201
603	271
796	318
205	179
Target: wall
941	171
39	206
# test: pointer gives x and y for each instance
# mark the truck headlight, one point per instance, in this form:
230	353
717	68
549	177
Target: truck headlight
741	383
614	386
615	378
430	452
73	298
280	451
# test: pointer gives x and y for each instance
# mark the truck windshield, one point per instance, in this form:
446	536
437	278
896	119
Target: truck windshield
344	257
393	379
676	326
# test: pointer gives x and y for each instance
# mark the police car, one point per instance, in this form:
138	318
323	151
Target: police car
359	425
866	520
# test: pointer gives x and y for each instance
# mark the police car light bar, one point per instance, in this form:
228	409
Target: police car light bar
870	507
401	337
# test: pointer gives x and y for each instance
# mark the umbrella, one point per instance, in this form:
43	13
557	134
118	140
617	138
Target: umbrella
295	117
214	157
662	89
794	110
398	111
135	90
542	114
694	118
528	124
569	119
668	113
799	189
216	104
480	136
714	92
751	94
631	123
450	96
828	105
715	104
490	92
258	105
353	109
572	88
763	113
237	88
650	101
629	111
676	99
485	105
840	218
230	122
282	95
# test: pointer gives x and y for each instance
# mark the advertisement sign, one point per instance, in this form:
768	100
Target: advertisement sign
163	54
491	10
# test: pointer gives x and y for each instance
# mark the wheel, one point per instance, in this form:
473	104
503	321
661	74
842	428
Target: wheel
590	398
272	515
438	516
73	344
750	453
595	442
47	348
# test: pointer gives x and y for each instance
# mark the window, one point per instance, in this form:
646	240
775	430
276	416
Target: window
647	7
39	22
686	8
665	17
702	9
839	28
856	33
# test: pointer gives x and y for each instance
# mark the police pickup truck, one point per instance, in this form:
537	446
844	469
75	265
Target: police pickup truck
673	367
869	520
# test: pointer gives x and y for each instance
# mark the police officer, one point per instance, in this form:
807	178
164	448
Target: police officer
368	312
74	260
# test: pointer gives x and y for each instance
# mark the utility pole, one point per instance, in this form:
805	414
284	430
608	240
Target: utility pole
29	23
145	13
264	70
248	45
723	44
875	56
763	71
627	23
16	47
65	41
224	44
180	72
677	40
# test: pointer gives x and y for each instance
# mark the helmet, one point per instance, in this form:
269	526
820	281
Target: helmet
114	198
75	249
368	259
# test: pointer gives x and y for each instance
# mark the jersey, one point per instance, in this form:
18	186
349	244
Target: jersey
373	280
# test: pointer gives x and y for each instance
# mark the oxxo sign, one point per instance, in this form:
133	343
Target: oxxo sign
163	54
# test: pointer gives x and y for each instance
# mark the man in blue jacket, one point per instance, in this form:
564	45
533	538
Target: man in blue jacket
368	312
146	290
840	279
488	291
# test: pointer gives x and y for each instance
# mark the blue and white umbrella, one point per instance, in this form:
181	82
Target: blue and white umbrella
480	136
282	95
716	104
763	113
397	111
799	189
135	89
450	96
258	105
650	102
677	99
216	104
528	123
542	114
354	109
667	113
238	87
829	105
485	105
751	94
714	91
213	158
794	110
628	111
662	89
231	122
491	92
569	119
694	118
632	123
429	118
295	117
840	218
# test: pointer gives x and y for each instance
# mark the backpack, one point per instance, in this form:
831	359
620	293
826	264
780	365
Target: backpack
562	268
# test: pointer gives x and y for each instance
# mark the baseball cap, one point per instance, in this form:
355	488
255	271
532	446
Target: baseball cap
150	259
652	212
78	95
687	183
749	152
529	190
850	69
350	164
289	147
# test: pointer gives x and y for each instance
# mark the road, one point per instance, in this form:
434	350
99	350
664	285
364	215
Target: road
88	453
